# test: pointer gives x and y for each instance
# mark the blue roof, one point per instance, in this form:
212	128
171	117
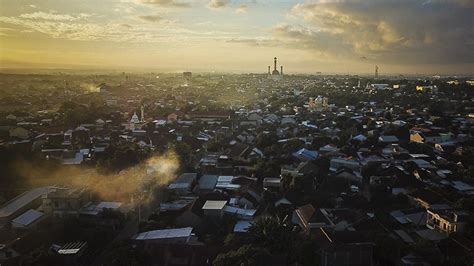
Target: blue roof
305	153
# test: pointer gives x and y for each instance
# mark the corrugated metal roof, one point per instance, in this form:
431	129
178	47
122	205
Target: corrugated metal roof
28	217
22	200
214	205
165	233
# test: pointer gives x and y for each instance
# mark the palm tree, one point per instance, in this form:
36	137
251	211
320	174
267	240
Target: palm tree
272	233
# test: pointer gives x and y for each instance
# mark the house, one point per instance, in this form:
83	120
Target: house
462	187
246	137
329	148
416	216
346	248
446	221
183	184
225	182
249	199
283	203
214	208
92	209
177	246
239	151
72	158
388	139
207	184
269	182
242	226
176	205
256	118
13	208
305	154
67	137
310	219
241	213
70	253
65	202
348	174
425	136
350	163
288	120
166	236
28	220
19	132
304	168
379	86
360	138
425	198
271	118
209	116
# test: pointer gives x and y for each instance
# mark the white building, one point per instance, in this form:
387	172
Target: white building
214	208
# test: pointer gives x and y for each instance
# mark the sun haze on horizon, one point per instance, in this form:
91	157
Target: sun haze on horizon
413	36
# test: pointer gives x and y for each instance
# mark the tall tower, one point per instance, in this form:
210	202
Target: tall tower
281	70
376	71
268	70
142	109
275	64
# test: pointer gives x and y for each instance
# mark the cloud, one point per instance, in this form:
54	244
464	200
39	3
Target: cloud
165	3
120	32
66	29
320	42
217	4
266	42
52	16
391	31
243	8
151	18
4	31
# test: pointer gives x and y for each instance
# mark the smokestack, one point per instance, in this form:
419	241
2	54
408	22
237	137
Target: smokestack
281	72
268	70
275	64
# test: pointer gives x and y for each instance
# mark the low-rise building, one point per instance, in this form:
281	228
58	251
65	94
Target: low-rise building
214	208
28	220
446	221
64	202
166	236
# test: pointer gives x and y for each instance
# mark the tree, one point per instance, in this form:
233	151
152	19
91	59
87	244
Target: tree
214	146
248	255
184	153
232	240
272	233
121	253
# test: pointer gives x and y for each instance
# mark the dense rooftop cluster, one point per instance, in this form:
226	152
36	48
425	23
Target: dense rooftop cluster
305	170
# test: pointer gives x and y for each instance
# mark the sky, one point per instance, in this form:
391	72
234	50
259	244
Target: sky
329	36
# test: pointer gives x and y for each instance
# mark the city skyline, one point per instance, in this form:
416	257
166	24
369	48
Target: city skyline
426	37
